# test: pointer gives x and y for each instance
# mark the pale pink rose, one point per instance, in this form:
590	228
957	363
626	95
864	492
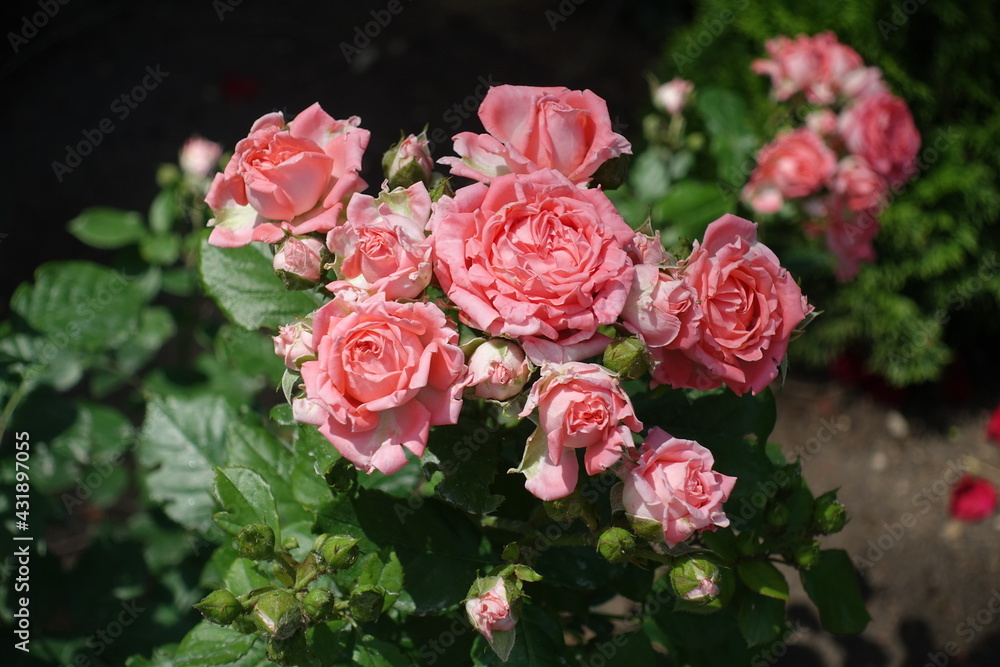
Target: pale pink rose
646	249
674	484
816	66
383	246
294	343
200	157
532	128
849	236
750	306
534	258
662	309
863	81
580	406
796	164
858	186
290	177
673	95
880	129
413	149
301	257
498	370
490	612
385	373
822	121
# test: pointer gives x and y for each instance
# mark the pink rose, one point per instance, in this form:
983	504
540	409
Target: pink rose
880	129
535	258
646	249
858	186
383	247
294	343
973	499
580	406
673	95
849	236
662	309
300	257
532	128
750	306
822	121
200	157
498	370
817	66
674	485
796	164
409	161
385	373
491	612
292	177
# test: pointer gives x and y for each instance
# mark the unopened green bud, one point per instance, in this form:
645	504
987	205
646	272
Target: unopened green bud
409	161
318	603
342	476
366	603
807	555
616	545
256	542
612	174
828	514
442	189
220	607
565	510
701	585
777	515
278	614
627	357
340	552
647	529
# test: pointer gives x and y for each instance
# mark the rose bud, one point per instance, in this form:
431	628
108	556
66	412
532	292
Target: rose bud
627	357
278	614
698	580
828	514
366	603
200	157
299	262
220	607
490	611
256	542
318	603
337	552
294	344
408	161
807	555
498	370
616	545
672	96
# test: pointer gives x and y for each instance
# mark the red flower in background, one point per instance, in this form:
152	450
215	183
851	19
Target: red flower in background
993	427
973	499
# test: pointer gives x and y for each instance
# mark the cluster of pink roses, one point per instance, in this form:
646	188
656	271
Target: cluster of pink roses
539	263
857	143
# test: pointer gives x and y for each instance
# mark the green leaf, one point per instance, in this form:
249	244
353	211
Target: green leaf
81	305
242	282
385	572
832	584
650	176
156	326
245	498
182	440
371	652
468	455
107	228
539	643
244	576
163	249
761	619
764	578
733	140
164	211
208	644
